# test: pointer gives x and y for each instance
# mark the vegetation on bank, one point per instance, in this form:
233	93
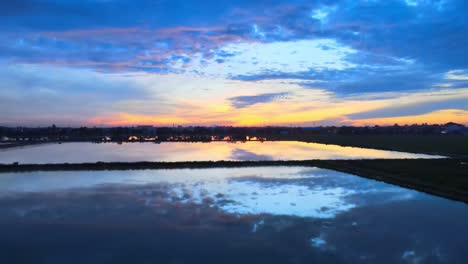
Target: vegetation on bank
443	177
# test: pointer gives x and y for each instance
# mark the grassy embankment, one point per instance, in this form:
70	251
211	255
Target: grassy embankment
443	177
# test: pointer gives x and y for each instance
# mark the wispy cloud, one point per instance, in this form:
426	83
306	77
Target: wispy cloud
248	100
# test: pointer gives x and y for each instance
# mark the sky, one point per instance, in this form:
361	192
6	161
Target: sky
233	62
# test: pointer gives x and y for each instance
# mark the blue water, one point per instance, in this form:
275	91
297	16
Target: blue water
232	215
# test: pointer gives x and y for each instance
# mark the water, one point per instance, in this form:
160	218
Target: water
181	151
231	215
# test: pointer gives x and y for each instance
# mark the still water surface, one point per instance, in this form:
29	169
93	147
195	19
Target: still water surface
231	215
182	151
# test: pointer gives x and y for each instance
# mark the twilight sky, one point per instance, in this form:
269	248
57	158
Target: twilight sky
226	62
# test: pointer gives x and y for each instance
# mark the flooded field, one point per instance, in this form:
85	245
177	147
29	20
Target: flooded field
261	215
182	151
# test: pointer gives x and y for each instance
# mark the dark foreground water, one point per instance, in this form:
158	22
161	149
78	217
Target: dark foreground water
243	215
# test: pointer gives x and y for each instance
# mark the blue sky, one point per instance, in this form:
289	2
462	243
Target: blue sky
113	62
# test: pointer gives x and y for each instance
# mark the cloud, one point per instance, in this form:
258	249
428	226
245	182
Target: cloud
31	94
358	79
457	75
413	109
322	14
435	117
170	58
271	58
248	100
373	29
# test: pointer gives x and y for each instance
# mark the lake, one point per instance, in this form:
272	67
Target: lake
230	215
183	151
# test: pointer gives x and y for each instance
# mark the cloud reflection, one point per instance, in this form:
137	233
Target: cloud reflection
293	191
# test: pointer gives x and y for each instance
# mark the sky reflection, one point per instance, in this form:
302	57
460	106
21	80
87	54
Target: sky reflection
267	215
295	191
182	151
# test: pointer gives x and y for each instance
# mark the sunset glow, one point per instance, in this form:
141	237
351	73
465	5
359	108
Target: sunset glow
239	63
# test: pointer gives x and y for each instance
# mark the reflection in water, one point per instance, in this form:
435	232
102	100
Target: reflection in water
244	190
185	151
261	215
295	191
240	154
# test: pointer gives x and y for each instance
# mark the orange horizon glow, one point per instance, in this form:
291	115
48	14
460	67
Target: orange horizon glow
303	107
437	117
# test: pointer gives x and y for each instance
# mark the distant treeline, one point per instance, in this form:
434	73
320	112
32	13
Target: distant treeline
199	133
